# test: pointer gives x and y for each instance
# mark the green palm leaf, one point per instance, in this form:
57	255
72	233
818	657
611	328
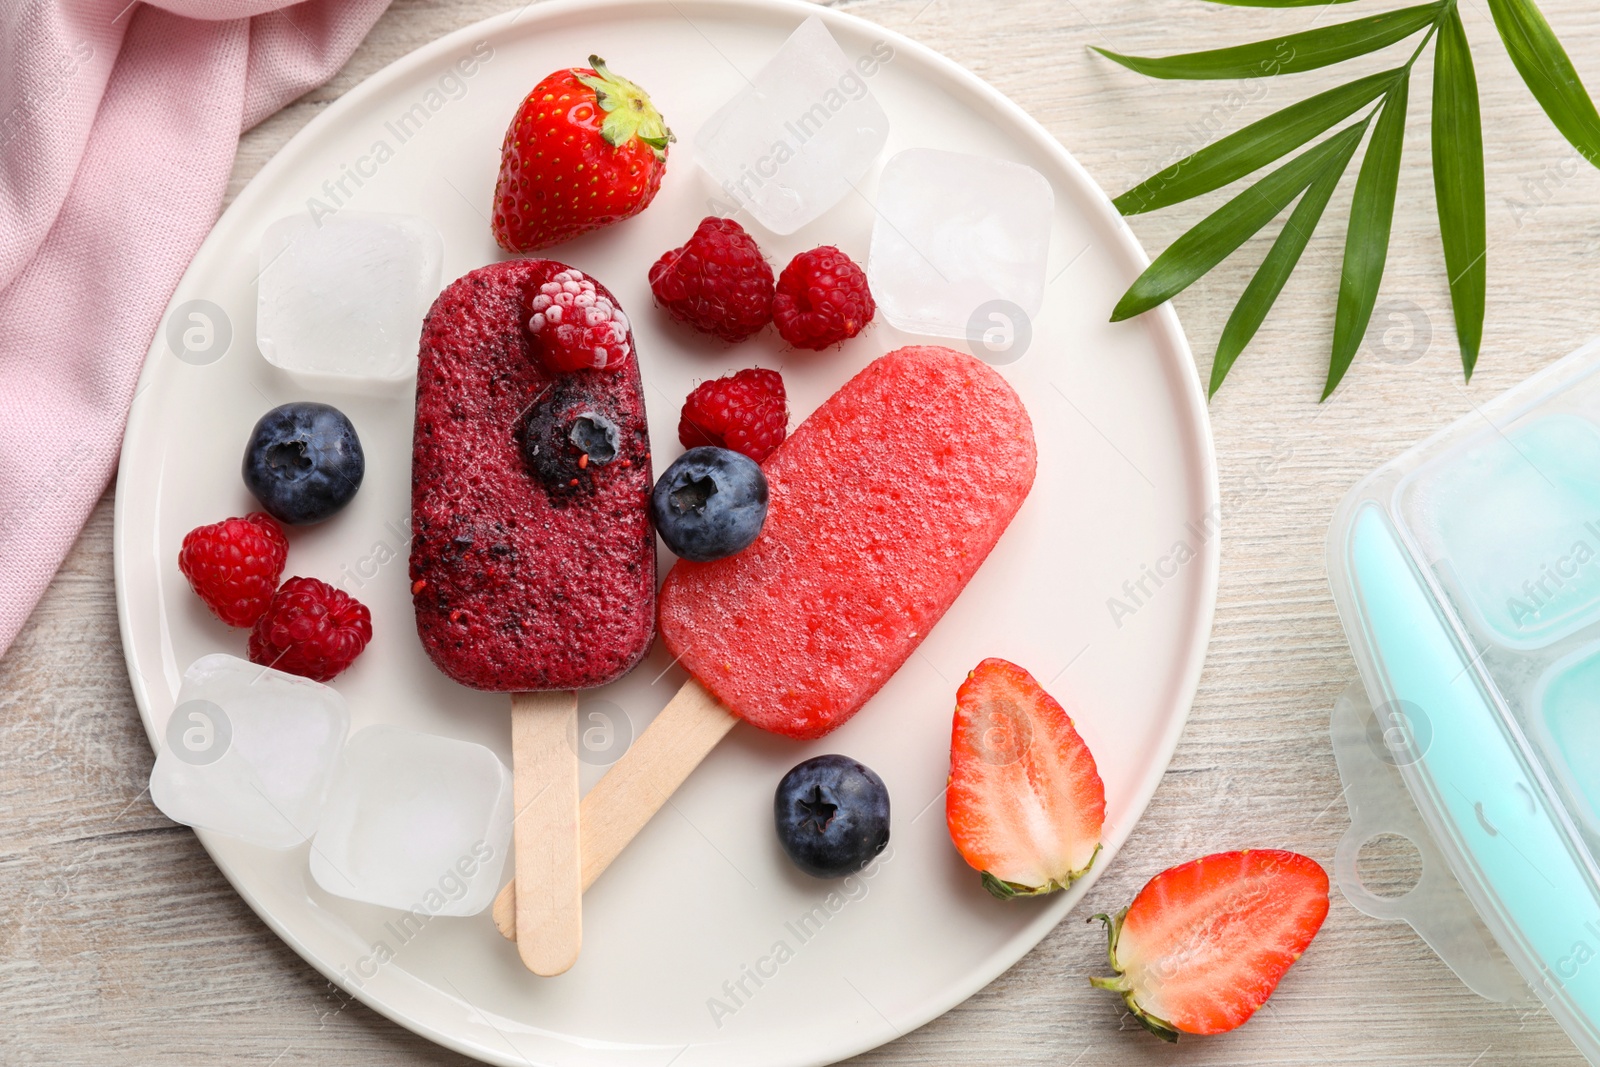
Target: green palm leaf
1547	69
1296	52
1221	234
1275	269
1458	184
1367	242
1312	177
1226	161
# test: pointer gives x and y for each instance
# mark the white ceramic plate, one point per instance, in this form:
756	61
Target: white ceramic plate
692	914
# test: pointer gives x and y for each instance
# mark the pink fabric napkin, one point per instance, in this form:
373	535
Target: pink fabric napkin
118	126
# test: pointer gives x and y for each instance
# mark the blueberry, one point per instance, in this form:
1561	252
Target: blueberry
832	815
710	503
594	435
567	438
303	462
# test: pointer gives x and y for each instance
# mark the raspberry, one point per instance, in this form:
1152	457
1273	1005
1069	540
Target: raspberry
310	629
822	299
234	565
581	329
747	413
718	282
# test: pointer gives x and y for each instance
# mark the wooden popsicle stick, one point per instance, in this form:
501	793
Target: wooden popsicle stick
544	756
634	789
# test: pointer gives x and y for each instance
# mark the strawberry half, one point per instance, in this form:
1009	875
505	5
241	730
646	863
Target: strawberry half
585	149
1025	805
1204	944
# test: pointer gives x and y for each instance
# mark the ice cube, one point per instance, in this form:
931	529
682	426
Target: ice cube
1568	699
795	140
344	296
956	234
1512	523
248	751
416	822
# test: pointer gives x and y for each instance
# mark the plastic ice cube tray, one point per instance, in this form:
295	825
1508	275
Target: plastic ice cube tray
1467	575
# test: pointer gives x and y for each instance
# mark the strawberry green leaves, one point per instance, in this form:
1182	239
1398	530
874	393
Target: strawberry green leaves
1458	184
628	110
1313	177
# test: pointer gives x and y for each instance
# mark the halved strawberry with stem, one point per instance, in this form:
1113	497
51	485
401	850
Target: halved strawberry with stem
1025	806
1204	944
586	149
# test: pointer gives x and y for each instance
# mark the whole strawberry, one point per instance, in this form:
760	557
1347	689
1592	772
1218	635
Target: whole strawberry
585	149
234	565
822	299
310	629
718	282
747	412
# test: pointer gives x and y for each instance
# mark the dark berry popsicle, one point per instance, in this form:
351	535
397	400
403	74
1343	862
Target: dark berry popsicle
532	558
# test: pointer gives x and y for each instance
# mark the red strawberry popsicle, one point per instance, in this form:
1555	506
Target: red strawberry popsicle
884	503
532	557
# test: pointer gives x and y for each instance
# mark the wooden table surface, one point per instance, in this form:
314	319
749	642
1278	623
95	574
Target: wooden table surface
121	943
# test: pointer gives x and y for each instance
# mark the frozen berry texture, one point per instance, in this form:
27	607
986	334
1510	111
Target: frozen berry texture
234	565
310	629
747	413
532	557
718	282
578	329
822	299
883	504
